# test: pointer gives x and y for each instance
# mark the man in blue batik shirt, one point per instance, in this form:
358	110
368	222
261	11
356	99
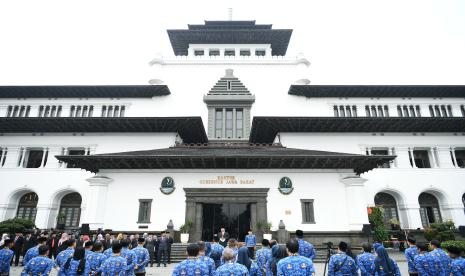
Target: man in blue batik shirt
115	265
230	267
263	255
250	242
306	249
458	263
295	265
96	258
216	251
442	256
207	260
341	263
142	257
129	256
192	266
64	256
39	265
88	245
410	254
34	251
425	263
6	255
366	261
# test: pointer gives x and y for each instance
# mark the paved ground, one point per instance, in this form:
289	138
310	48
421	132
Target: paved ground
161	271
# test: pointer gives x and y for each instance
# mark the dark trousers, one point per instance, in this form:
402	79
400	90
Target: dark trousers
152	257
16	258
162	252
140	274
169	254
413	274
251	252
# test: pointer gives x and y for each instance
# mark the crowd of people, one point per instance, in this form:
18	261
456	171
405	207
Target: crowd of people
105	254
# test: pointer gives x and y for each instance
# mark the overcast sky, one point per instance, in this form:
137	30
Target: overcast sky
347	42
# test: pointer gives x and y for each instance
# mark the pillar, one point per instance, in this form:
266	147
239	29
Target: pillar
434	161
412	157
96	201
12	156
355	202
444	157
412	212
454	212
52	162
403	156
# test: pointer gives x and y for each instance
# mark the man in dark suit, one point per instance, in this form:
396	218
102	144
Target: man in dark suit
18	247
170	242
52	244
163	244
150	244
223	236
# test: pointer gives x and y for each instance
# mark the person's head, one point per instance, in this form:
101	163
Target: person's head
43	250
232	243
202	247
216	239
79	253
71	243
265	243
411	241
107	236
192	250
243	257
273	243
366	247
222	229
250	231
228	255
422	247
140	241
98	247
282	252
88	245
292	246
454	252
125	243
42	240
8	243
435	244
116	247
342	246
299	234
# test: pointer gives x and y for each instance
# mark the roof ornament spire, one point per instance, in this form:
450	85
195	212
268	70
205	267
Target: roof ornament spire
230	14
229	73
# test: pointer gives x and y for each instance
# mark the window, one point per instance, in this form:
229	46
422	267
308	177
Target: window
245	52
3	154
18	111
214	52
33	158
113	111
409	111
376	111
27	207
75	151
460	158
145	206
389	204
70	207
239	123
49	111
229	52
381	152
229	123
81	111
421	159
233	123
199	52
345	111
228	85
440	111
308	215
429	209
219	123
260	52
462	109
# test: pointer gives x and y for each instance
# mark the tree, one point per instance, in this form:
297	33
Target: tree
376	217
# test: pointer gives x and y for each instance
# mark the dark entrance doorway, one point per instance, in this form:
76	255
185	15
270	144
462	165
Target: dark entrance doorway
234	217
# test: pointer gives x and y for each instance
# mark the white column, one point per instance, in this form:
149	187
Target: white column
52	162
445	160
11	159
403	157
434	162
23	155
96	201
412	157
268	52
65	152
454	157
391	152
355	202
369	150
44	153
412	212
454	212
42	215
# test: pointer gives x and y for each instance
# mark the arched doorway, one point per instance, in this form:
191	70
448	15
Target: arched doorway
70	210
429	209
389	204
27	206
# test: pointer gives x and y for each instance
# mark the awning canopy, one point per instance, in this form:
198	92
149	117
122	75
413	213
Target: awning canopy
227	156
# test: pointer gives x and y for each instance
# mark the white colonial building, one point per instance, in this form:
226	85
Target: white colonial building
230	133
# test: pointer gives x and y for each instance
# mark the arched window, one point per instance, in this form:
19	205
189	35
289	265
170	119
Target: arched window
429	209
389	204
27	207
70	207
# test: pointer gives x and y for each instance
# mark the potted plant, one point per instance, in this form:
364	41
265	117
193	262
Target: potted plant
185	229
395	224
61	218
265	228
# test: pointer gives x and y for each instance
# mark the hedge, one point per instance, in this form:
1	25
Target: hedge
16	225
457	244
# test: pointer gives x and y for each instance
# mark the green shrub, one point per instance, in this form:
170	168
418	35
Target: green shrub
443	231
15	225
377	218
457	244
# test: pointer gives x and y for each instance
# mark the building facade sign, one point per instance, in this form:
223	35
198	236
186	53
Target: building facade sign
228	179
